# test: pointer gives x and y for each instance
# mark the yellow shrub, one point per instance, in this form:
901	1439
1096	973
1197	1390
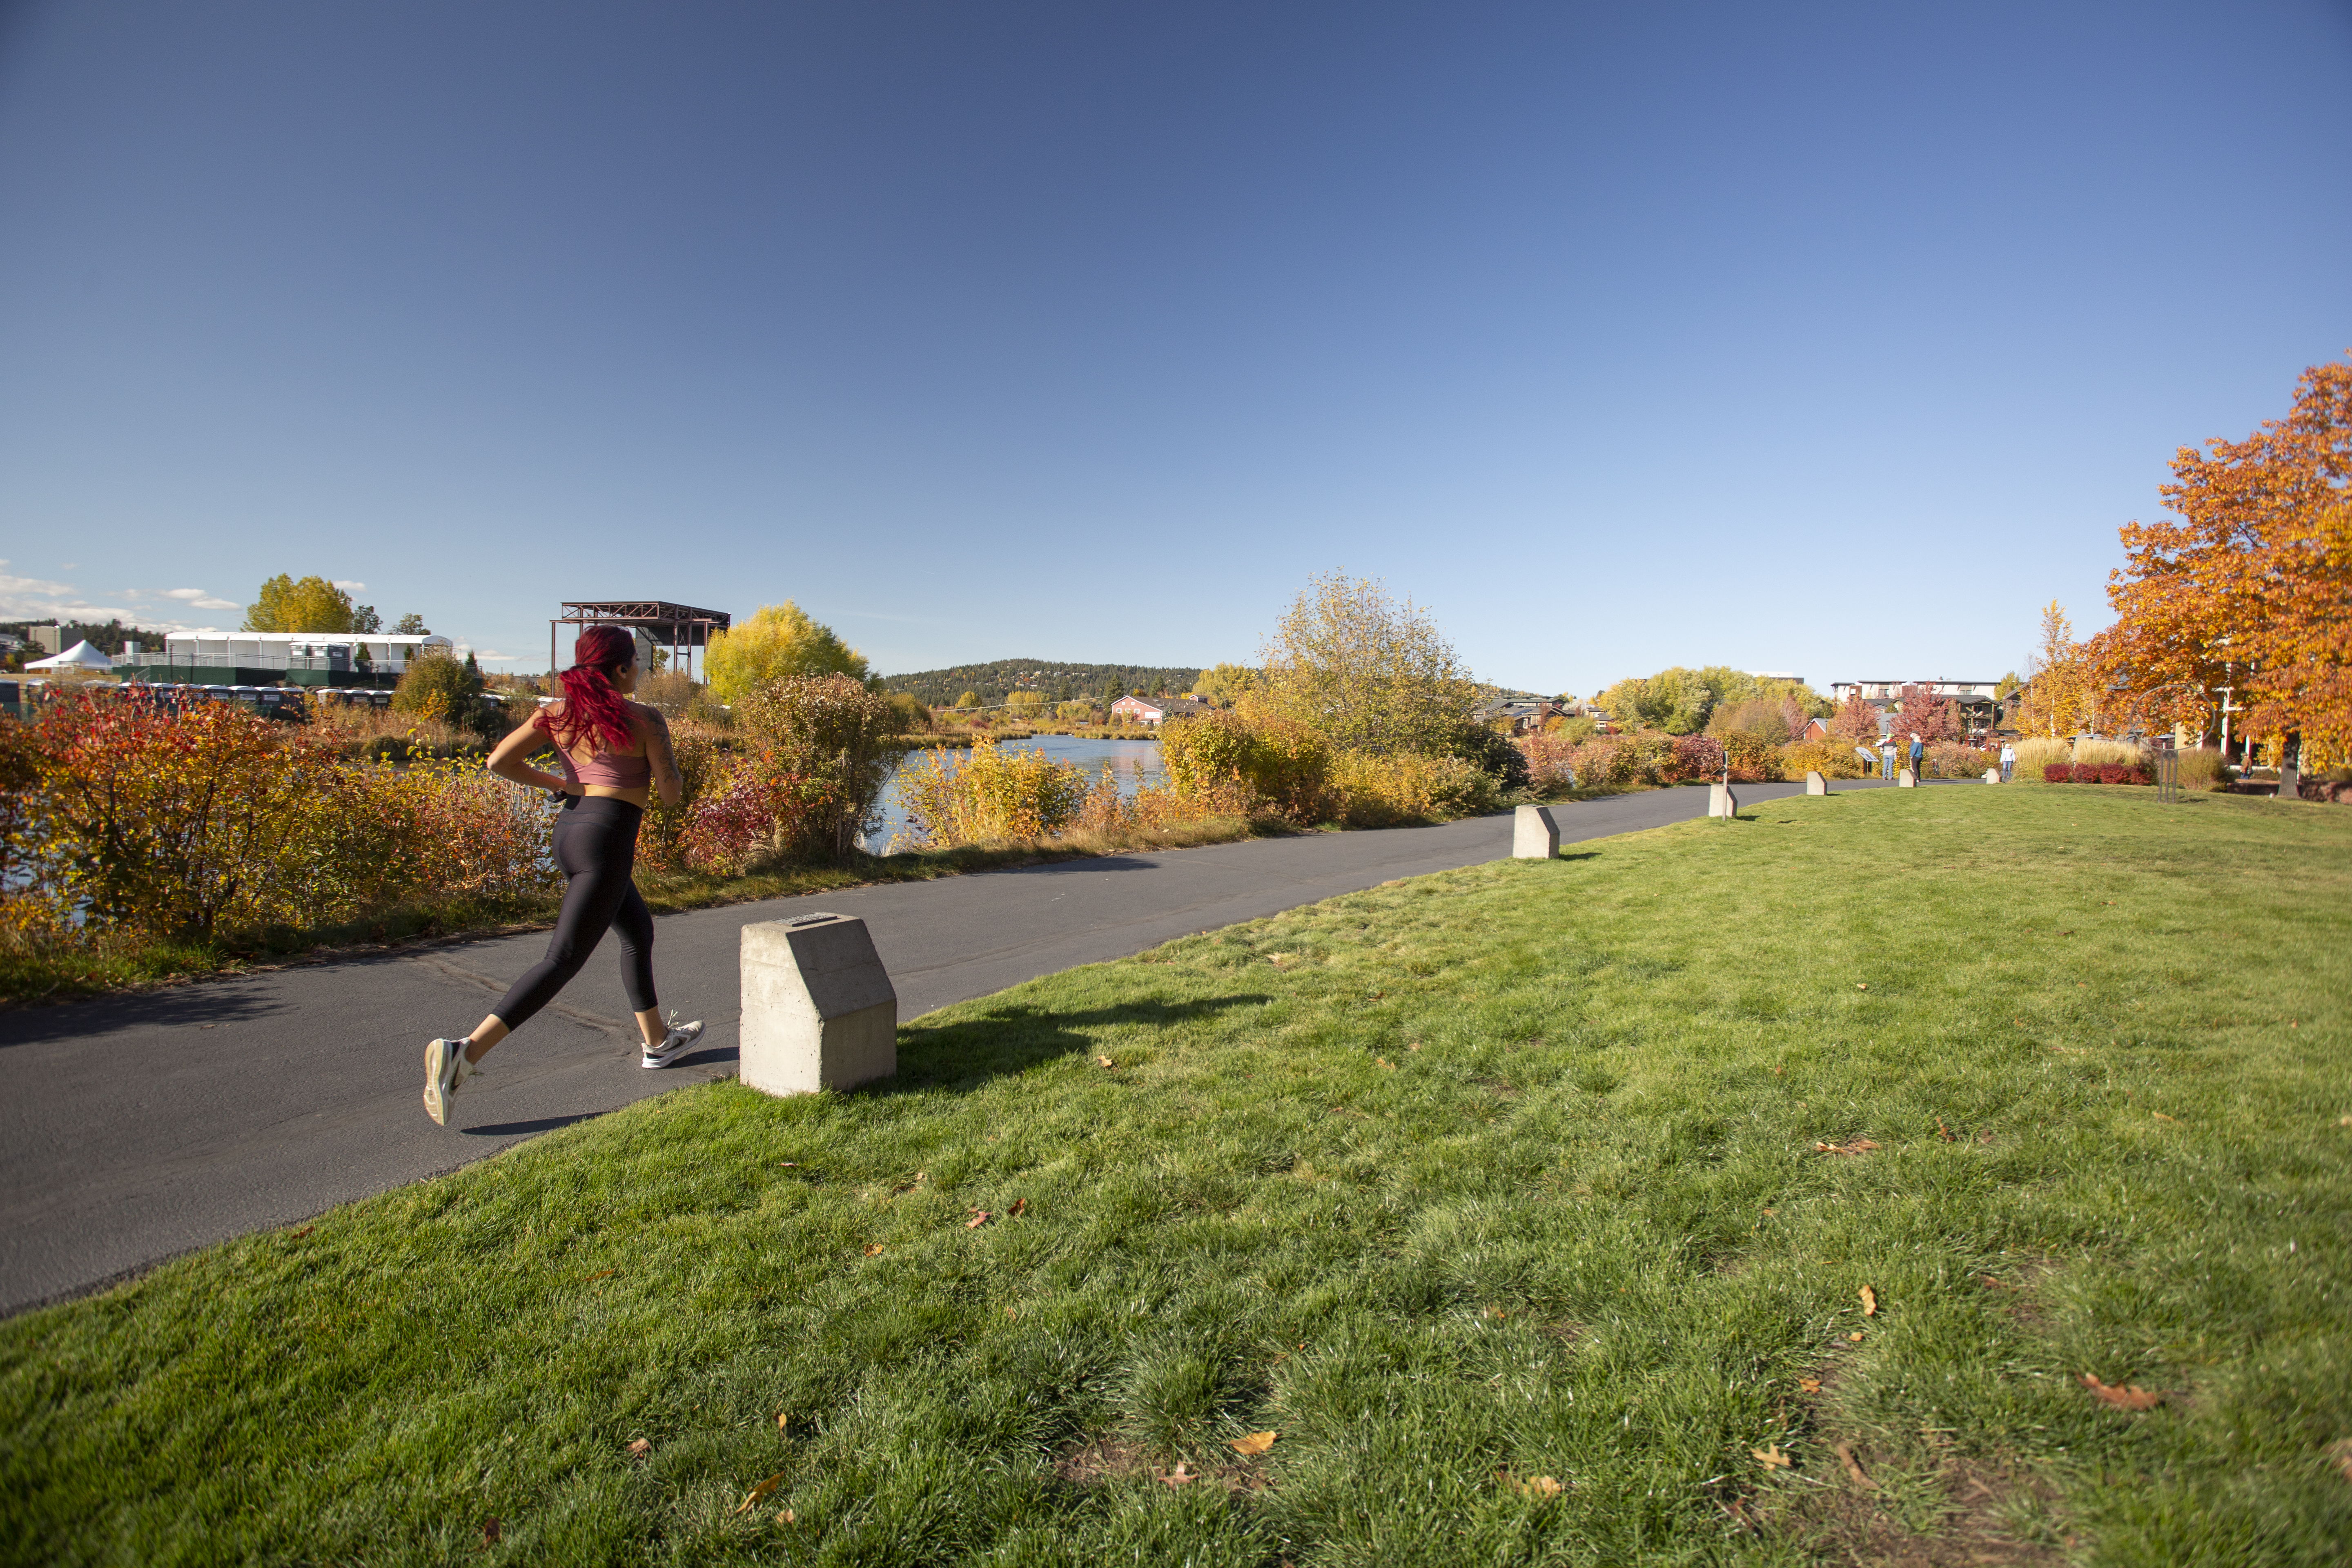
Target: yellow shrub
1388	792
1831	759
995	794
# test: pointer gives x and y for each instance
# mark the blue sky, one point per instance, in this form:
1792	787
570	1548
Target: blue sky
1835	340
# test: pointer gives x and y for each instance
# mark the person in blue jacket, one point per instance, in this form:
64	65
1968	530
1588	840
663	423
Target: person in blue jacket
1917	752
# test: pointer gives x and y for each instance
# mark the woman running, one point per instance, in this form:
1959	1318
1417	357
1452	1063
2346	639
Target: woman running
611	751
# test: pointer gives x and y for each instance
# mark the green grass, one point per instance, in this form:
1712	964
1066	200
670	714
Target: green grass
1511	1169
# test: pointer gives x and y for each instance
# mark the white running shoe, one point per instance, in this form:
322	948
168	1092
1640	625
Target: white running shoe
446	1068
676	1044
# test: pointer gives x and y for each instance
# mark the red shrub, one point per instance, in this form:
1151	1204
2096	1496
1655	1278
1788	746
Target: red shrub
2058	773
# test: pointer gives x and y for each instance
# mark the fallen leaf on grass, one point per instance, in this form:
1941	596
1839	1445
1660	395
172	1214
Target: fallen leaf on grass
2344	1122
1853	1466
873	1250
1859	1145
1943	1131
600	1274
1861	985
1386	1063
1417	1046
782	1416
1856	1337
2124	1397
1019	1205
491	1531
1102	1061
641	1447
1256	1443
1772	1458
978	1218
1869	1301
788	1517
761	1491
2160	1115
1809	1384
303	1232
1180	1476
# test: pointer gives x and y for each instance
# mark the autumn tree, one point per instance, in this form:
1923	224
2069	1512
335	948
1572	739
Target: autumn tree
1922	714
1226	684
312	604
2252	588
2061	684
1855	721
1363	670
778	642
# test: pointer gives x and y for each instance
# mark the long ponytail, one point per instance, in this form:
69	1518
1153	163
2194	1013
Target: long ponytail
591	706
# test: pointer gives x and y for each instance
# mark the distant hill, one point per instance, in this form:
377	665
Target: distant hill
1060	682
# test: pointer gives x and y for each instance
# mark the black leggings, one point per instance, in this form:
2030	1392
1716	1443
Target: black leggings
595	845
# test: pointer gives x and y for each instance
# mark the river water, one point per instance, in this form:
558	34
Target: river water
1134	763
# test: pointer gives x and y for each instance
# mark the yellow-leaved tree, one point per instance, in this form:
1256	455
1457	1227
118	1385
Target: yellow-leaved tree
777	643
1226	684
1366	672
312	604
2062	685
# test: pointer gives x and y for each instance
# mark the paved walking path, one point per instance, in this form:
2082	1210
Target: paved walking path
136	1127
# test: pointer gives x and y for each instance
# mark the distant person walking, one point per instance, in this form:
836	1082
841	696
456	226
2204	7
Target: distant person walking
1917	752
612	752
1887	758
2008	759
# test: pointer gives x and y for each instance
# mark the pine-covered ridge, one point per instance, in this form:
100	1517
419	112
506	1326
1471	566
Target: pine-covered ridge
1058	679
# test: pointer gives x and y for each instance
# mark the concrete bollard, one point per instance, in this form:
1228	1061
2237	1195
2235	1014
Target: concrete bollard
1992	775
1905	780
1720	801
1816	784
1534	835
819	1011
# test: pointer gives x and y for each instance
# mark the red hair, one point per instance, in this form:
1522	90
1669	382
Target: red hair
591	706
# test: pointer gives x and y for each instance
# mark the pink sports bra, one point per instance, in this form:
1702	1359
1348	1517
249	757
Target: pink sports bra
609	770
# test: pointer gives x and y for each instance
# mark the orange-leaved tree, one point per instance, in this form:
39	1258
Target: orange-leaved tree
2252	588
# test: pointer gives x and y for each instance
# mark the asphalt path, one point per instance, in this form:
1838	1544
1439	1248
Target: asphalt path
136	1127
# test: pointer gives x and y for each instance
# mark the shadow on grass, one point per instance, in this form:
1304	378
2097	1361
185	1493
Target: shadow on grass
1012	1039
537	1124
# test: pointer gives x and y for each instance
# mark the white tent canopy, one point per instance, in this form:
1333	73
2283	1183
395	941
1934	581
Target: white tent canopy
81	656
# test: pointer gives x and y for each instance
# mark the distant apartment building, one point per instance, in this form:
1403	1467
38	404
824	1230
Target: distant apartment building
1977	699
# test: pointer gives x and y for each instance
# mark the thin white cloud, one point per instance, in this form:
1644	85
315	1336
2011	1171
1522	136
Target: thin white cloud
200	599
39	599
349	585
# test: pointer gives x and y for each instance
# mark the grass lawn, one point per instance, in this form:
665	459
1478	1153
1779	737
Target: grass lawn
1531	1206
